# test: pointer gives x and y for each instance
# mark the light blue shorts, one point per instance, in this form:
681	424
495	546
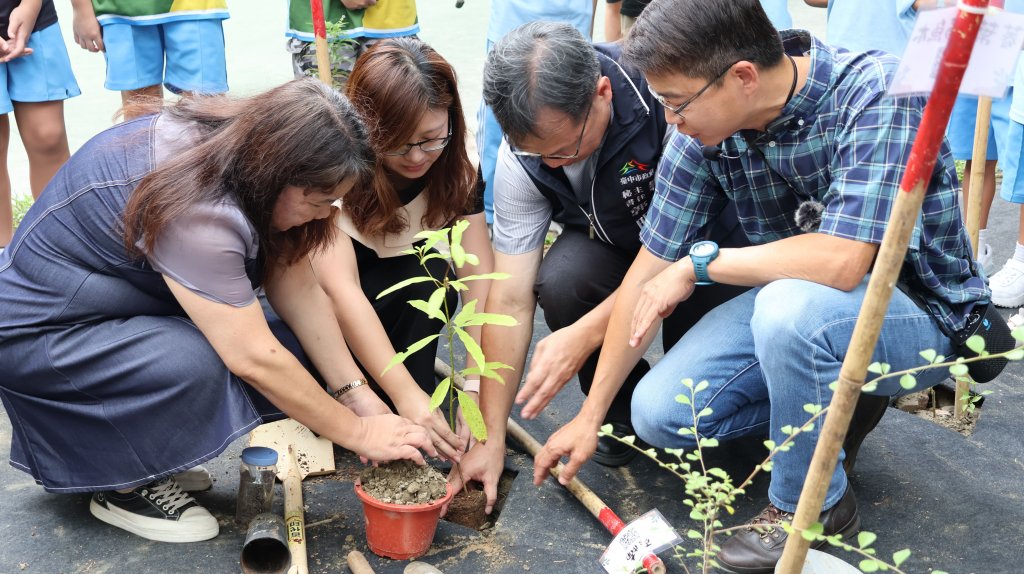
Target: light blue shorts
43	76
193	49
961	126
1011	160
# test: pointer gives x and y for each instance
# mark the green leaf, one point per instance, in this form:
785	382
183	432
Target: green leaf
812	532
436	300
958	369
432	237
901	556
869	386
401	284
708	442
868	565
1018	333
1016	354
440	393
458	285
688	383
812	409
474	418
875	368
976	343
425	308
399	357
457	229
684	399
908	381
769	444
458	255
704	412
606	430
928	355
496	276
701	386
468	317
865	539
472	348
472	259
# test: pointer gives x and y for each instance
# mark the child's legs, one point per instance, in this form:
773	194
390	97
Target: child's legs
135	60
195	57
1013	178
6	213
41	125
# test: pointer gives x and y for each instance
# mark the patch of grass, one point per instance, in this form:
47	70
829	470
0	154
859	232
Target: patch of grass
20	205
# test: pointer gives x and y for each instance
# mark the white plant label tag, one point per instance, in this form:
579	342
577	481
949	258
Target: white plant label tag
649	534
993	59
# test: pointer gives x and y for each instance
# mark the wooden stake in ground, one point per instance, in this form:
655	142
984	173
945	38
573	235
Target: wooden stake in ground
323	53
883	277
590	500
979	155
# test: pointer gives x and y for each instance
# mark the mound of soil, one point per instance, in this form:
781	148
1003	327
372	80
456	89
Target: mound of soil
403	482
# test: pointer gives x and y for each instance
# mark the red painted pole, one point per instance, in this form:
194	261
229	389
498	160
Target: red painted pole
323	56
886	270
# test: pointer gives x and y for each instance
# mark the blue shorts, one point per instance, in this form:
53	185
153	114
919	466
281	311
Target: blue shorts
193	49
961	126
43	76
1012	159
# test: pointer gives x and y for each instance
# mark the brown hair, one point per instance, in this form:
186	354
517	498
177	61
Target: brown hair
301	133
393	85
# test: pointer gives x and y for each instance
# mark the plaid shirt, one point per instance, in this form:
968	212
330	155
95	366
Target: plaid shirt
841	142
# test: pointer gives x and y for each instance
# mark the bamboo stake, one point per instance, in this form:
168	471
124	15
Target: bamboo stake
979	155
323	56
883	278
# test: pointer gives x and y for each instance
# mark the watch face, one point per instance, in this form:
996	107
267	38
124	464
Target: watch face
703	249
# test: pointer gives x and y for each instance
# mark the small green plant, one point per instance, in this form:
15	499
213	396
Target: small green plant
436	307
342	51
20	205
710	491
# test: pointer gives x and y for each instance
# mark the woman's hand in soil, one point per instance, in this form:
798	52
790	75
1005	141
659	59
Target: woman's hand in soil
556	359
417	409
461	427
659	297
484	463
364	402
577	440
383	438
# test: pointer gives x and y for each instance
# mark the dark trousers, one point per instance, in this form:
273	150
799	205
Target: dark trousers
578	273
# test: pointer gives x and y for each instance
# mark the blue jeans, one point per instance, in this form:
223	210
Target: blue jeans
766	354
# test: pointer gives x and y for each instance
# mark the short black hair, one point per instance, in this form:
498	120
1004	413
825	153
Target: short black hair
701	38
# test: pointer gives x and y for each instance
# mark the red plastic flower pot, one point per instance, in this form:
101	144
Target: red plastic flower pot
401	531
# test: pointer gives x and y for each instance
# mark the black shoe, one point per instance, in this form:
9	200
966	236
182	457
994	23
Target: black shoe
159	511
756	548
867	413
613	453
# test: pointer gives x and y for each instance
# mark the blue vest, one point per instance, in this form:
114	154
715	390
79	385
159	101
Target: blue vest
613	209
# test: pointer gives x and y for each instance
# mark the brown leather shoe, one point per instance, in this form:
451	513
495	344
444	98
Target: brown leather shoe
757	548
867	413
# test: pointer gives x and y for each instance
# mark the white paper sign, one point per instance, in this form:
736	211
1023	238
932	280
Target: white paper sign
649	534
992	62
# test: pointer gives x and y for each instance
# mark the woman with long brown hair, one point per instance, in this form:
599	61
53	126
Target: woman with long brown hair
423	181
134	346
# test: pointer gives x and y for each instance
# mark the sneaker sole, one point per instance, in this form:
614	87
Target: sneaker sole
157	529
1008	303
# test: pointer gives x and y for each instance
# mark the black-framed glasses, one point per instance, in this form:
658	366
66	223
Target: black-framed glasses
678	110
579	142
427	145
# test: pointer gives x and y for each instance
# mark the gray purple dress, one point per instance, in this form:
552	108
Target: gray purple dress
106	381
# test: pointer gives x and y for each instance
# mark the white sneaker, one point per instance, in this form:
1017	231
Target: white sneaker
1008	285
159	511
194	479
985	259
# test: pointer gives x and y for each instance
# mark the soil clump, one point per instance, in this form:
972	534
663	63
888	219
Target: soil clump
403	482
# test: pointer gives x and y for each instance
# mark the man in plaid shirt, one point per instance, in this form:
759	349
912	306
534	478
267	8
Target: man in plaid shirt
773	124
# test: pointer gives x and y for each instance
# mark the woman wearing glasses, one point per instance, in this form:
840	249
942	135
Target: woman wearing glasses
424	181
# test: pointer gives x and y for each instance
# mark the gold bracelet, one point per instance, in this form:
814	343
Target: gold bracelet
354	384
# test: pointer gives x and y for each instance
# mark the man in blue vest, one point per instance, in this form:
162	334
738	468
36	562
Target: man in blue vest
583	139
